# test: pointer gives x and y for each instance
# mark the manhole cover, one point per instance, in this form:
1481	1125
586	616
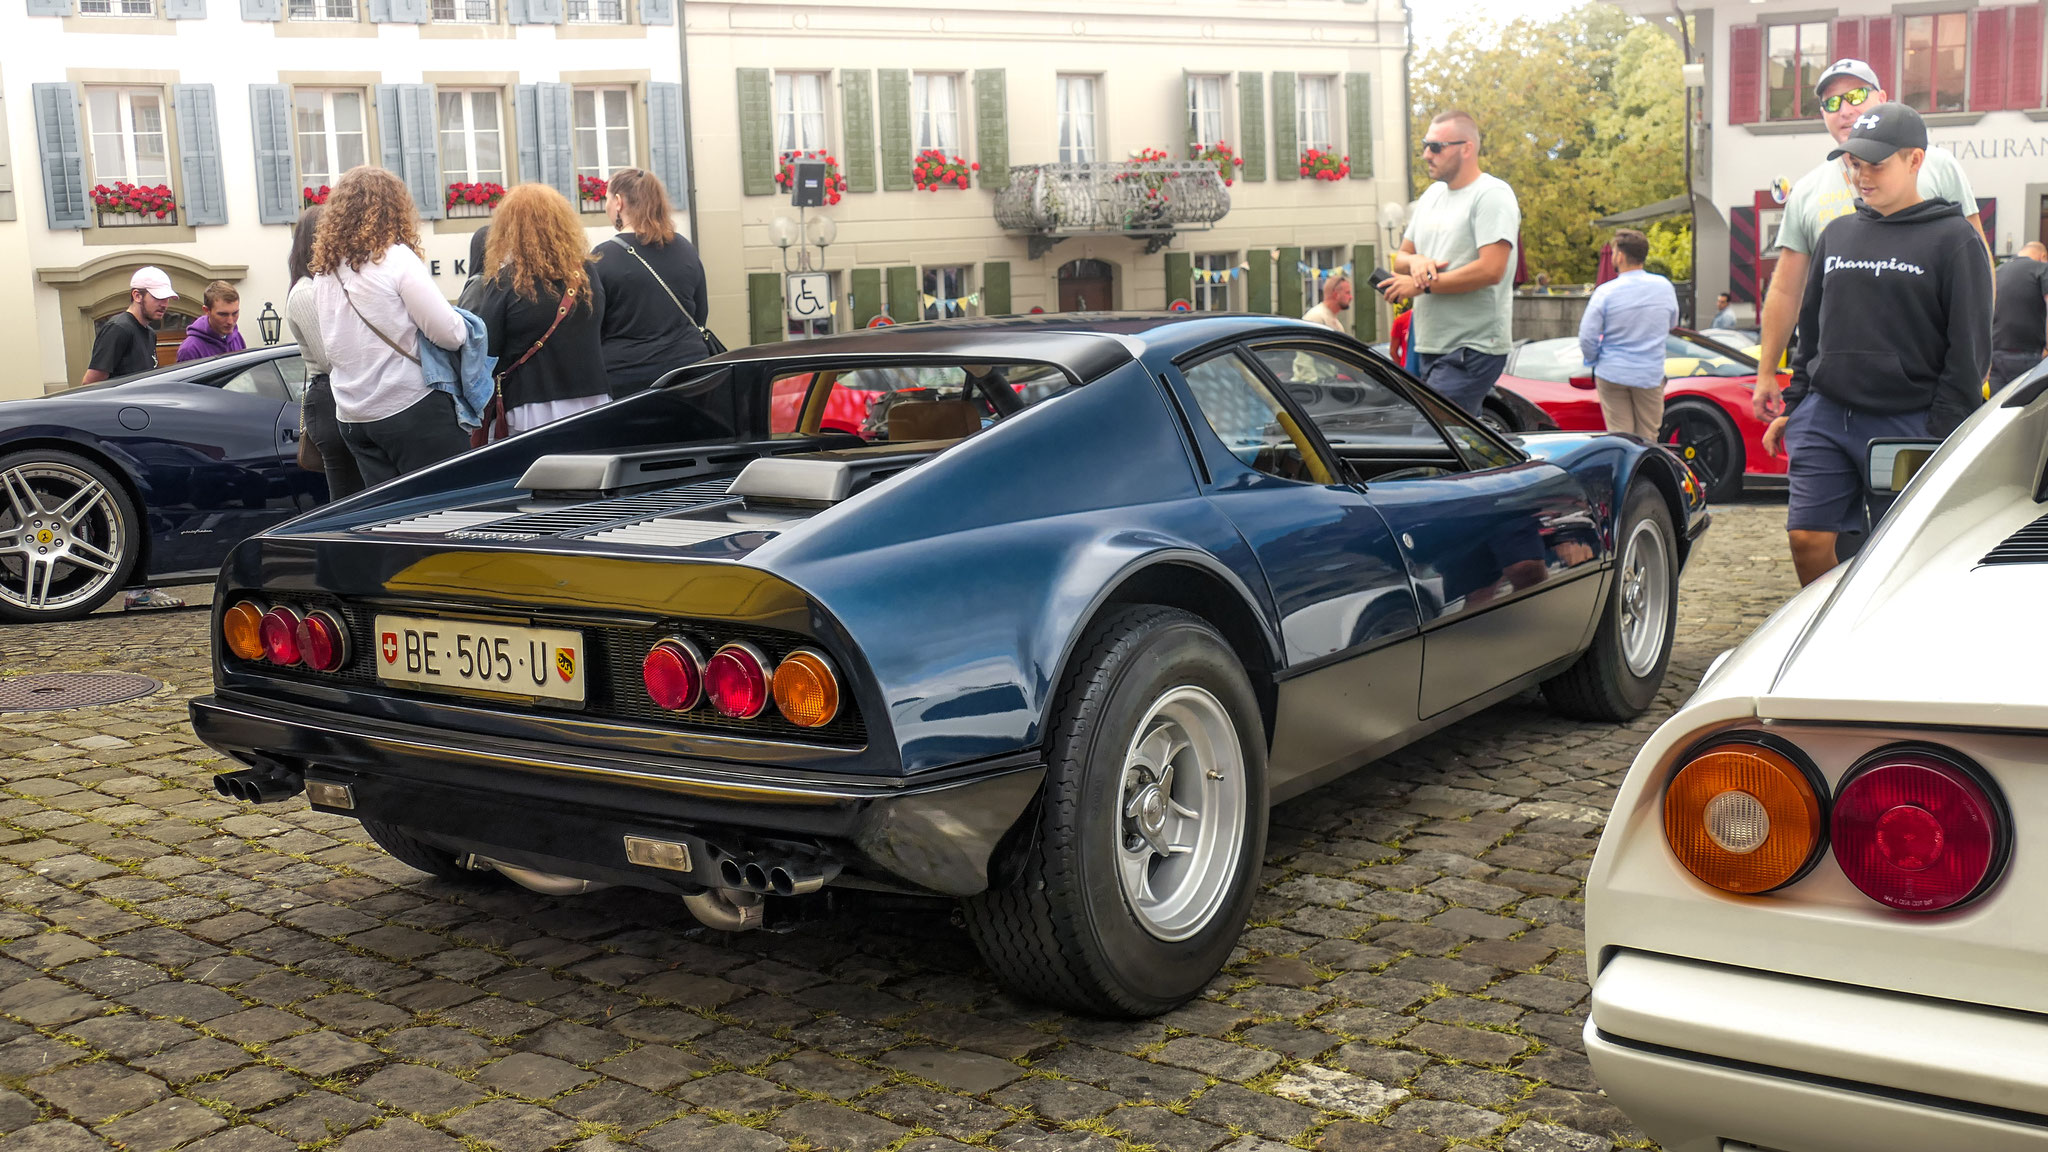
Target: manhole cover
60	690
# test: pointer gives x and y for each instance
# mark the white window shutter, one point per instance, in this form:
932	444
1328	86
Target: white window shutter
204	190
62	147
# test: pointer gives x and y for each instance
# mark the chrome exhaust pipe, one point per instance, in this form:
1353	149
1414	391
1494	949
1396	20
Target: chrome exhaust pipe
545	883
258	785
799	880
725	910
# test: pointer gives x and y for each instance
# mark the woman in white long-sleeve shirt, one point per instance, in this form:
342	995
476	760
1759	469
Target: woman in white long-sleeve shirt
375	299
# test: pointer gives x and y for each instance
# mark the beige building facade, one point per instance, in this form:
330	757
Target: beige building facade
1035	110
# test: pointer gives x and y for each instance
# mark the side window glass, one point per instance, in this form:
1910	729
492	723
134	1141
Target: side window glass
1352	409
1479	450
293	370
1250	420
255	380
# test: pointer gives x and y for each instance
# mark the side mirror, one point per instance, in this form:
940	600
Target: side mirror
1585	382
1894	463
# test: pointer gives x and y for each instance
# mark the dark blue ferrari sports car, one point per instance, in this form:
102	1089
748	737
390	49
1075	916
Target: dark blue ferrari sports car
1079	599
147	479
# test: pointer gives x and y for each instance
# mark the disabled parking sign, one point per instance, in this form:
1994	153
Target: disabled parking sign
807	295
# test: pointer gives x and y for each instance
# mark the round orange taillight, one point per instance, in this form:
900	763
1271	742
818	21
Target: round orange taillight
1746	815
241	629
806	690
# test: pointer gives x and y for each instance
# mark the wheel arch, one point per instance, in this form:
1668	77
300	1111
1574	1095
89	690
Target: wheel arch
117	468
1663	475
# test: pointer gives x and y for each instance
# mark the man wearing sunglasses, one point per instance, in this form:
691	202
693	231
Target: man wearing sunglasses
1456	264
1847	90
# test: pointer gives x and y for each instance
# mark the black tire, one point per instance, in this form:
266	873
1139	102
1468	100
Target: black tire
58	562
1063	930
1602	685
1497	417
425	857
1707	440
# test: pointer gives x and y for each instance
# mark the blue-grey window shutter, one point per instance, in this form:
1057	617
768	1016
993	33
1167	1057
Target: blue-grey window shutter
185	9
380	11
272	10
6	166
277	173
526	124
515	12
63	152
205	189
544	11
390	133
49	7
557	163
657	11
665	141
422	151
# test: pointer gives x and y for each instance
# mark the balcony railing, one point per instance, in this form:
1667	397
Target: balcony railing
1149	201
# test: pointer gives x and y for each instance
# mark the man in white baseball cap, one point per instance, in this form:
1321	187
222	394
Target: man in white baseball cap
126	344
1847	89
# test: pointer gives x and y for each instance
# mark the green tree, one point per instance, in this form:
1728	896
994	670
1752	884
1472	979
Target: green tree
1583	115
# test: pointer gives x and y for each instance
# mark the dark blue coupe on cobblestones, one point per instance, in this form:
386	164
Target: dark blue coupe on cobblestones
1077	600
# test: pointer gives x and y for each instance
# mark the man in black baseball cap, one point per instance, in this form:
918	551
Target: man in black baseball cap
1894	333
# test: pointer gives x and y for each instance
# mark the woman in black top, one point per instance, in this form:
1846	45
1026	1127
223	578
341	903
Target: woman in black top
653	284
540	298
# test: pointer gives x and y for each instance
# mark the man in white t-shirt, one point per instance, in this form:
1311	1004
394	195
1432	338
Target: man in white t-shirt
1846	90
1336	302
1457	263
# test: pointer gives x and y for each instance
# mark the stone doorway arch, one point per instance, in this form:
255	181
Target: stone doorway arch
98	288
1087	286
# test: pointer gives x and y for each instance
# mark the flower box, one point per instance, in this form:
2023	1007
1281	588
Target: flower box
933	170
1226	160
125	205
467	200
1319	165
591	193
835	184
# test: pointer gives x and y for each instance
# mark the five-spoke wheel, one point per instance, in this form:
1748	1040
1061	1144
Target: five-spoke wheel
1183	813
67	536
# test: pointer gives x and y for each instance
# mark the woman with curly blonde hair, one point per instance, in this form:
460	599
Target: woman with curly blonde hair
543	309
375	300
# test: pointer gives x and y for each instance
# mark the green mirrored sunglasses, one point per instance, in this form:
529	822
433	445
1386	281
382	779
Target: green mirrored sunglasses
1854	96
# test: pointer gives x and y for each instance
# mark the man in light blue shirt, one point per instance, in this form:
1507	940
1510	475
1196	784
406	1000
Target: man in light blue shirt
1622	339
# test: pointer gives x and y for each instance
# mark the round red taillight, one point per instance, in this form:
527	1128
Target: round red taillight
1919	831
674	675
323	642
280	632
736	679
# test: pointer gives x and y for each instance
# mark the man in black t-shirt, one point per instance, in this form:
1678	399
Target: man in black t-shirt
126	344
2019	320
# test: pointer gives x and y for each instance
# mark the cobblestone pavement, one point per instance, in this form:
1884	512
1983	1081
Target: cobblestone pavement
181	971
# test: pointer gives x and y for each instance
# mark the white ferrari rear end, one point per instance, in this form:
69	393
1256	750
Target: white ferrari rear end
1815	921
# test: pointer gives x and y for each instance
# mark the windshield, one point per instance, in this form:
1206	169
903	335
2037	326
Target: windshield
898	403
1557	361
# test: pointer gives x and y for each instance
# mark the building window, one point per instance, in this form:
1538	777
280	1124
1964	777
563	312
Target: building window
329	122
128	139
799	112
472	143
945	292
117	7
597	11
1313	116
1796	54
937	99
1932	71
1077	119
1205	110
1212	281
465	11
1317	263
323	10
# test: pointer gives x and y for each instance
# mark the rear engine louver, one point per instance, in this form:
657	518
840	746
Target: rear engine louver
621	509
2029	545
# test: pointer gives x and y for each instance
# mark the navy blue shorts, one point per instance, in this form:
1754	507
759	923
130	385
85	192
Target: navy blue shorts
1462	376
1829	468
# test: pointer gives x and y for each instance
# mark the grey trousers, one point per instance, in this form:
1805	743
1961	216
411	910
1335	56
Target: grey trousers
423	434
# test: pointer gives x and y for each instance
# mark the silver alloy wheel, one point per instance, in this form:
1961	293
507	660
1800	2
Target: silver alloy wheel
1645	596
61	537
1180	813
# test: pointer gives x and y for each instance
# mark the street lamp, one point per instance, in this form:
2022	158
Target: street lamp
270	324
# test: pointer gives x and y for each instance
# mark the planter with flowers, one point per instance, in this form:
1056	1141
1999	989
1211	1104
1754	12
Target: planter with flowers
125	205
1147	194
934	170
1227	162
835	184
311	196
591	192
472	199
1317	164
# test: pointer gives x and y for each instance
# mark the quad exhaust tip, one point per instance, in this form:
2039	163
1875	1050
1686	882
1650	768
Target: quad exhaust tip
259	785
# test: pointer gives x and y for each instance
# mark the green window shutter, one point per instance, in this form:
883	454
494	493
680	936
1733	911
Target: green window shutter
1358	127
1251	125
867	295
905	303
1258	278
1180	278
1287	279
857	109
992	127
764	308
995	288
1286	141
757	133
894	85
1365	308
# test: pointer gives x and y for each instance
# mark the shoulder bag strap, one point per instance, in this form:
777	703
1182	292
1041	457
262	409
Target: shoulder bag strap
378	332
630	251
561	310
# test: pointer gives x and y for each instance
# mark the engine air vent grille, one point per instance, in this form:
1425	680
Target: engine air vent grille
2029	545
619	509
435	523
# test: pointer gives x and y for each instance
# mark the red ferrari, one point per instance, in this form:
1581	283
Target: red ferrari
1706	404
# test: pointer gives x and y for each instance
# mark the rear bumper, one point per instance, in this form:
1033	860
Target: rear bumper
565	810
1698	1054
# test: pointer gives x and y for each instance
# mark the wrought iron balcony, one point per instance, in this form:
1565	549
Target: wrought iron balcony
1149	200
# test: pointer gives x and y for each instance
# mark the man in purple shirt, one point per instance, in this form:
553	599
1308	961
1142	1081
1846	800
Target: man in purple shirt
214	333
1622	337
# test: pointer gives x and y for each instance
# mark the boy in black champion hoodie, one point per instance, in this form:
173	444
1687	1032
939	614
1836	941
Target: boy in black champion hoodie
1894	334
